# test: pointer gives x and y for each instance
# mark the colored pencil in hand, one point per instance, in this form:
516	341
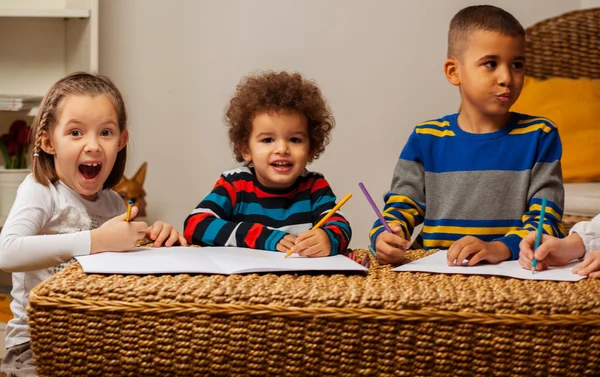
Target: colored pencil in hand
325	218
538	238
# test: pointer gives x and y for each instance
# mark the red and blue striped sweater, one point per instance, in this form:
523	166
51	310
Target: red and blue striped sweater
241	212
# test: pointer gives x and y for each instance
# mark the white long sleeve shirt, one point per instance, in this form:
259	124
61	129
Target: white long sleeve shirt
589	231
45	229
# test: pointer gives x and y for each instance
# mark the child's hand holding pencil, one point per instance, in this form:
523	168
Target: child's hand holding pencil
315	242
390	247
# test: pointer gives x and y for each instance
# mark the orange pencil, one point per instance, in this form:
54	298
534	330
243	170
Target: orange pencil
325	218
128	216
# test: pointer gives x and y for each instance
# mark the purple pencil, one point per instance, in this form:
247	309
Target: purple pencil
372	203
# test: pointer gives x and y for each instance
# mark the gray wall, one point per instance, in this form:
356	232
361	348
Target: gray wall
378	62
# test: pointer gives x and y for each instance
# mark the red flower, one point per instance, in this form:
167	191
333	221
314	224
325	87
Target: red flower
11	146
16	127
24	136
15	144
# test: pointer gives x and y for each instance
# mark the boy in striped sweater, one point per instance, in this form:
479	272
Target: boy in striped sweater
476	179
278	123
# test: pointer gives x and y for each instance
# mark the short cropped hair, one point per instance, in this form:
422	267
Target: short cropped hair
480	18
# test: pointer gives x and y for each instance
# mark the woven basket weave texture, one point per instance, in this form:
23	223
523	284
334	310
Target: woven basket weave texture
565	46
381	324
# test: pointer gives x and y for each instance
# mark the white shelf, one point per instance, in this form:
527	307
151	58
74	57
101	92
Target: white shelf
50	12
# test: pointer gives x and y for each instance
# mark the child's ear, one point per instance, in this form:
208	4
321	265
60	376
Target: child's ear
246	154
46	144
451	71
123	139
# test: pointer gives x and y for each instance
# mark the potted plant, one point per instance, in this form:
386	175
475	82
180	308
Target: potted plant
14	146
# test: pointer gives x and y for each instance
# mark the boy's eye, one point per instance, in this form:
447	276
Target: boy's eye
75	133
518	65
267	140
296	140
106	133
490	64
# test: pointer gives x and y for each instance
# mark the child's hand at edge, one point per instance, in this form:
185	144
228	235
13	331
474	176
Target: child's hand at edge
391	247
475	250
161	232
313	243
286	243
117	234
590	266
551	252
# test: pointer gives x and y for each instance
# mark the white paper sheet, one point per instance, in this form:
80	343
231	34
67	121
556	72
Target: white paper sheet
437	263
210	260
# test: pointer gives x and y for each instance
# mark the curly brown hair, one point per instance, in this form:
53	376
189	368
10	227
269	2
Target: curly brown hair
278	92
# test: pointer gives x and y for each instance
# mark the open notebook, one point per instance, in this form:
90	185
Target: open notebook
209	260
437	263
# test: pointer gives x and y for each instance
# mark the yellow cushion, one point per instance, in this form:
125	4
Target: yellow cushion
574	106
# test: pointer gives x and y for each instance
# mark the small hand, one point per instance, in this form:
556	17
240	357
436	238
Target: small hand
551	252
117	234
590	266
161	232
313	243
286	243
475	250
391	247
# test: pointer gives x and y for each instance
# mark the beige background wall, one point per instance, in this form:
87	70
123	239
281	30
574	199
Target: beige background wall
378	62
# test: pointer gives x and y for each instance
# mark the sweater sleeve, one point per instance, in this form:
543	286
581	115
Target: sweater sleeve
589	231
337	226
21	248
405	202
210	224
546	181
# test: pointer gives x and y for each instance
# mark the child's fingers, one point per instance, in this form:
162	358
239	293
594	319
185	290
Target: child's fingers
304	242
527	243
154	230
476	258
314	251
455	250
394	239
164	235
387	254
134	213
182	240
586	261
286	243
173	237
282	249
591	266
396	229
525	258
467	253
543	250
139	227
541	266
595	275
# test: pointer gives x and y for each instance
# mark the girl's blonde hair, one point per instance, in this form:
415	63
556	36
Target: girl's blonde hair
79	83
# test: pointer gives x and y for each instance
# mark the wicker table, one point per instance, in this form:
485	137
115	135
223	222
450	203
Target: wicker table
380	324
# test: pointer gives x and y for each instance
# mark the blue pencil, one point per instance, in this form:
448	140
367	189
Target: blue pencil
538	238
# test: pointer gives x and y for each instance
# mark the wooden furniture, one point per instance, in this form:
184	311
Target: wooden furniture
42	41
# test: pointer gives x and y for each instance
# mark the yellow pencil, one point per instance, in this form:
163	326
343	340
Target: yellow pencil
128	216
325	218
